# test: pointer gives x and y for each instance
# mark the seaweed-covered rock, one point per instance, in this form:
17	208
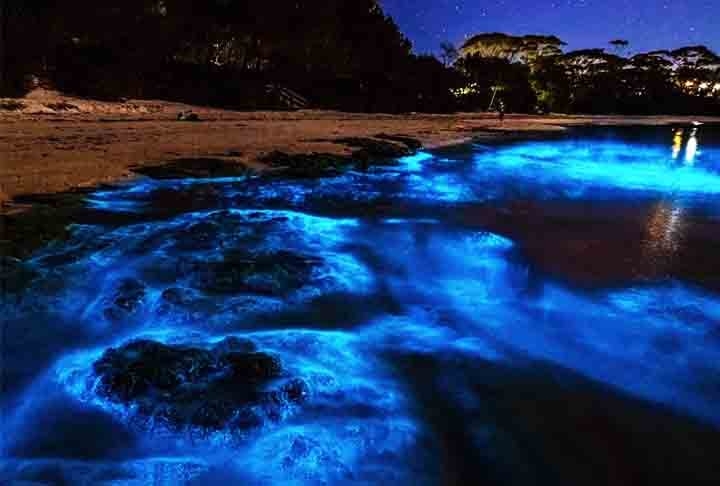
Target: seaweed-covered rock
274	274
231	384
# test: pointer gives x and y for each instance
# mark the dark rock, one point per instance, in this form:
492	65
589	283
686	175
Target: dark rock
204	234
274	274
127	298
15	275
307	165
188	116
409	142
196	168
176	296
368	151
235	345
377	151
227	385
46	221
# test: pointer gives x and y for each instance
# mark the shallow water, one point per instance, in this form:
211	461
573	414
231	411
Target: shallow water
542	312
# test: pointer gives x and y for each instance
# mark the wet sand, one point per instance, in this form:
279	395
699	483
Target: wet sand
44	150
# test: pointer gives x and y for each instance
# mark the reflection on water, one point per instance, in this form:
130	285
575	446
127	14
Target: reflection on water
429	307
664	232
692	148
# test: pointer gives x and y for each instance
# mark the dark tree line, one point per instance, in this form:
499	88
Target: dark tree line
532	73
339	54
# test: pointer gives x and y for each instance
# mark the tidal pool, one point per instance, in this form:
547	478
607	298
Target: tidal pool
537	312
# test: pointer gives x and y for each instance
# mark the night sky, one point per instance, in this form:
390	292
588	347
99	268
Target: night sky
647	24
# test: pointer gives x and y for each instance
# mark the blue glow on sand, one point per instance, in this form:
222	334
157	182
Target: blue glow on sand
405	277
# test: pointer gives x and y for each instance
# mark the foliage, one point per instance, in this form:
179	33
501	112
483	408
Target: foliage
337	54
223	51
686	80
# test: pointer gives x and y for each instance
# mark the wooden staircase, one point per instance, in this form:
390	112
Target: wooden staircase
286	97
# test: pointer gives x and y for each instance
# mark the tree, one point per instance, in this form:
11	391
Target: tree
490	75
594	79
525	49
551	85
448	53
619	46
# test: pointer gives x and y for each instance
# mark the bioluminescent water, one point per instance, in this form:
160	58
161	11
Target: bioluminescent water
538	312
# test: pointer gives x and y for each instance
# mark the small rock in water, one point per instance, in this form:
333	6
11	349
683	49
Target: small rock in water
204	234
272	274
128	298
15	275
225	386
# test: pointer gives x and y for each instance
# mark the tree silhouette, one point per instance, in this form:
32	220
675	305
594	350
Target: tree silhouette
448	53
619	46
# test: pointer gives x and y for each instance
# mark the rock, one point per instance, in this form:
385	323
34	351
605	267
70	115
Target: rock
307	165
188	116
204	234
176	296
128	297
15	275
375	151
409	142
196	168
273	274
234	345
228	385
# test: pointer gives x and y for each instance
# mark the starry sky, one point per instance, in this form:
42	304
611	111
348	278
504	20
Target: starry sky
647	24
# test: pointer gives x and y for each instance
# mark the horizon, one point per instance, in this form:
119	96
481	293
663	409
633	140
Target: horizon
647	27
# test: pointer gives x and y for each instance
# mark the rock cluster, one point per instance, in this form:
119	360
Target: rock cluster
231	385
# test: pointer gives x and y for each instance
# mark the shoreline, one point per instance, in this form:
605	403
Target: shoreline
49	153
54	161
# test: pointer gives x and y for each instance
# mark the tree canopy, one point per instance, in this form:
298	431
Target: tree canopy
338	54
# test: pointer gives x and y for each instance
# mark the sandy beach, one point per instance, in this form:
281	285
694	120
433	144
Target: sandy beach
56	143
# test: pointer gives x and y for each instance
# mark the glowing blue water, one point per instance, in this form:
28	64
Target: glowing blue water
401	275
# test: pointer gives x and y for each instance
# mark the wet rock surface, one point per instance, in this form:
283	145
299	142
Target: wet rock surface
377	151
381	150
128	297
409	142
197	168
307	165
230	385
272	273
15	275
